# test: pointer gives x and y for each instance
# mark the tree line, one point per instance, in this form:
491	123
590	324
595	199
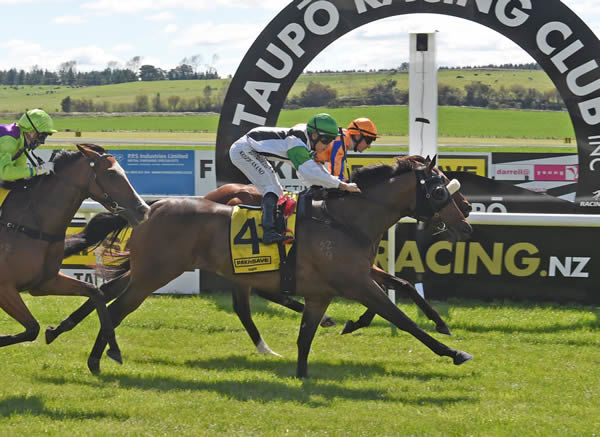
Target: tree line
67	74
475	94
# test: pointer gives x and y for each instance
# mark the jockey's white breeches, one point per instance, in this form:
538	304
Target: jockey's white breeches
255	167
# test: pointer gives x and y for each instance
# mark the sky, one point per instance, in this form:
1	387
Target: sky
163	33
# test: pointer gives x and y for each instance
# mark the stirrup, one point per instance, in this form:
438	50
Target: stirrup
272	236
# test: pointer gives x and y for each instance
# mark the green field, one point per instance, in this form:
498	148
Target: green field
390	120
190	369
19	98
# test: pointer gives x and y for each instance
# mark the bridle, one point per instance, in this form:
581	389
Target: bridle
432	194
109	203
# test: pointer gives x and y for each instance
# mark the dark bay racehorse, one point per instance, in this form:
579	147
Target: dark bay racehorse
334	256
240	194
33	222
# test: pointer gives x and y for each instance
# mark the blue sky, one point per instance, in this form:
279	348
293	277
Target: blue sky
164	32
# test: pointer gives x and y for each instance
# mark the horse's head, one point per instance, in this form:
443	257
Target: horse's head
439	202
108	185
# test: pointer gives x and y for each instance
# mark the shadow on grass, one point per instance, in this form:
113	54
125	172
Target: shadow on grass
318	369
34	406
262	390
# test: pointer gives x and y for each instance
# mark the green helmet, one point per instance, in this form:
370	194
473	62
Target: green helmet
40	119
323	124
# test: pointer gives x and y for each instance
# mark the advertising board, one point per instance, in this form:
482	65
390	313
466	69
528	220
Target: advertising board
516	262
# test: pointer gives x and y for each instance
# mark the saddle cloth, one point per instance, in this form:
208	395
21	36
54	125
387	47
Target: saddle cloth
248	253
3	194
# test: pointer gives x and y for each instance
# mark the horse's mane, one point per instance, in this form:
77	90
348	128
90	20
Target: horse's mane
61	160
371	175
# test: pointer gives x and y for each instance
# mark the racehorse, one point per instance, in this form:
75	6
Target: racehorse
33	222
335	251
240	194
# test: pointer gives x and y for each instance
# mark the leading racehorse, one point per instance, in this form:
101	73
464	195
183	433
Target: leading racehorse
101	225
33	222
335	250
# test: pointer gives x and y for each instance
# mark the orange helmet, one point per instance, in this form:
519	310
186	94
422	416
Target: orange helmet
363	126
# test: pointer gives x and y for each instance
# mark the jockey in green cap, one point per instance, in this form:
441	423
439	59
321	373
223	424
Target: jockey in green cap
16	139
299	147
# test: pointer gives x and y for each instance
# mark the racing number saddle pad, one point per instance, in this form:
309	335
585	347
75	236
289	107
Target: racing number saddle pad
248	253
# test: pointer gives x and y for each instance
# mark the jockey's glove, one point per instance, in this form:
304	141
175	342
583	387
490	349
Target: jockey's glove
45	168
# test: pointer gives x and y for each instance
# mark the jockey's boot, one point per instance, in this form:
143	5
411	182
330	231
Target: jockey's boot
270	234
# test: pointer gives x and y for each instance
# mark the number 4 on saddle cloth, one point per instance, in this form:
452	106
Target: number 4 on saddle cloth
250	255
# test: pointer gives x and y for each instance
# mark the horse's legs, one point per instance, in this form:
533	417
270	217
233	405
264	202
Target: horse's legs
384	279
313	312
362	322
376	300
407	288
137	290
12	303
62	285
241	306
110	289
294	305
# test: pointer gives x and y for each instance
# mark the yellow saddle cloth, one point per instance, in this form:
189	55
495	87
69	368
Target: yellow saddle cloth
248	253
3	194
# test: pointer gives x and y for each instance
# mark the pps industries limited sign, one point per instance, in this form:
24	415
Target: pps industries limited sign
549	31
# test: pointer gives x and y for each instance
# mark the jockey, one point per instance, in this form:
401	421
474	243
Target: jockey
16	139
298	146
358	137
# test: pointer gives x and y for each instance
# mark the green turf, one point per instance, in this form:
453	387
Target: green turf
190	369
390	120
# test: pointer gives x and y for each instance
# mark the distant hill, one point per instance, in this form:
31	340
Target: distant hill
208	94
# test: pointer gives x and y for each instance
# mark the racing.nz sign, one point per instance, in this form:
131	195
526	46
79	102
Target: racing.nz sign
546	29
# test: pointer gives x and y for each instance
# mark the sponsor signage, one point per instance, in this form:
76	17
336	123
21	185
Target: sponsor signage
559	41
513	172
503	262
159	172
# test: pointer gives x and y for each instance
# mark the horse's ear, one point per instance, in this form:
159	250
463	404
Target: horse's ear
87	151
432	163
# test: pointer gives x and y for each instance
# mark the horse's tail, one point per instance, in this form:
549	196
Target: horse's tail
97	230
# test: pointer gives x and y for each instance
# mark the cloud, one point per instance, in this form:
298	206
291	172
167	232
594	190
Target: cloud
69	19
161	16
130	6
211	33
171	28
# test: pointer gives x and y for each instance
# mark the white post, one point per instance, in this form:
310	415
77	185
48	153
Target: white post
423	95
391	267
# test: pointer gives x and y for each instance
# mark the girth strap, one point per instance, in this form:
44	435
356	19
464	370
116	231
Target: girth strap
32	233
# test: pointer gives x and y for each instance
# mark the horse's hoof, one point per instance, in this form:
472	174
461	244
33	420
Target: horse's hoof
94	365
348	328
263	348
327	322
462	357
443	329
50	334
115	354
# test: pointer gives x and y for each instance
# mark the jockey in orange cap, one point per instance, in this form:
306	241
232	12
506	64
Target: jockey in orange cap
357	138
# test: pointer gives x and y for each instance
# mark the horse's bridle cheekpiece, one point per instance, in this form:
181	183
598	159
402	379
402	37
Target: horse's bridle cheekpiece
432	194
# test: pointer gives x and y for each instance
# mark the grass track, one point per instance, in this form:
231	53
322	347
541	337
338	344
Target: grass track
390	120
190	369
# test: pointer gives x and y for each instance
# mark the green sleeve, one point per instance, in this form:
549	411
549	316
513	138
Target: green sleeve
299	155
12	170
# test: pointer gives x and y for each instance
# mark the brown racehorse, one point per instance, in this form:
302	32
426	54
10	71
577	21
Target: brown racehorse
33	223
240	194
334	256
